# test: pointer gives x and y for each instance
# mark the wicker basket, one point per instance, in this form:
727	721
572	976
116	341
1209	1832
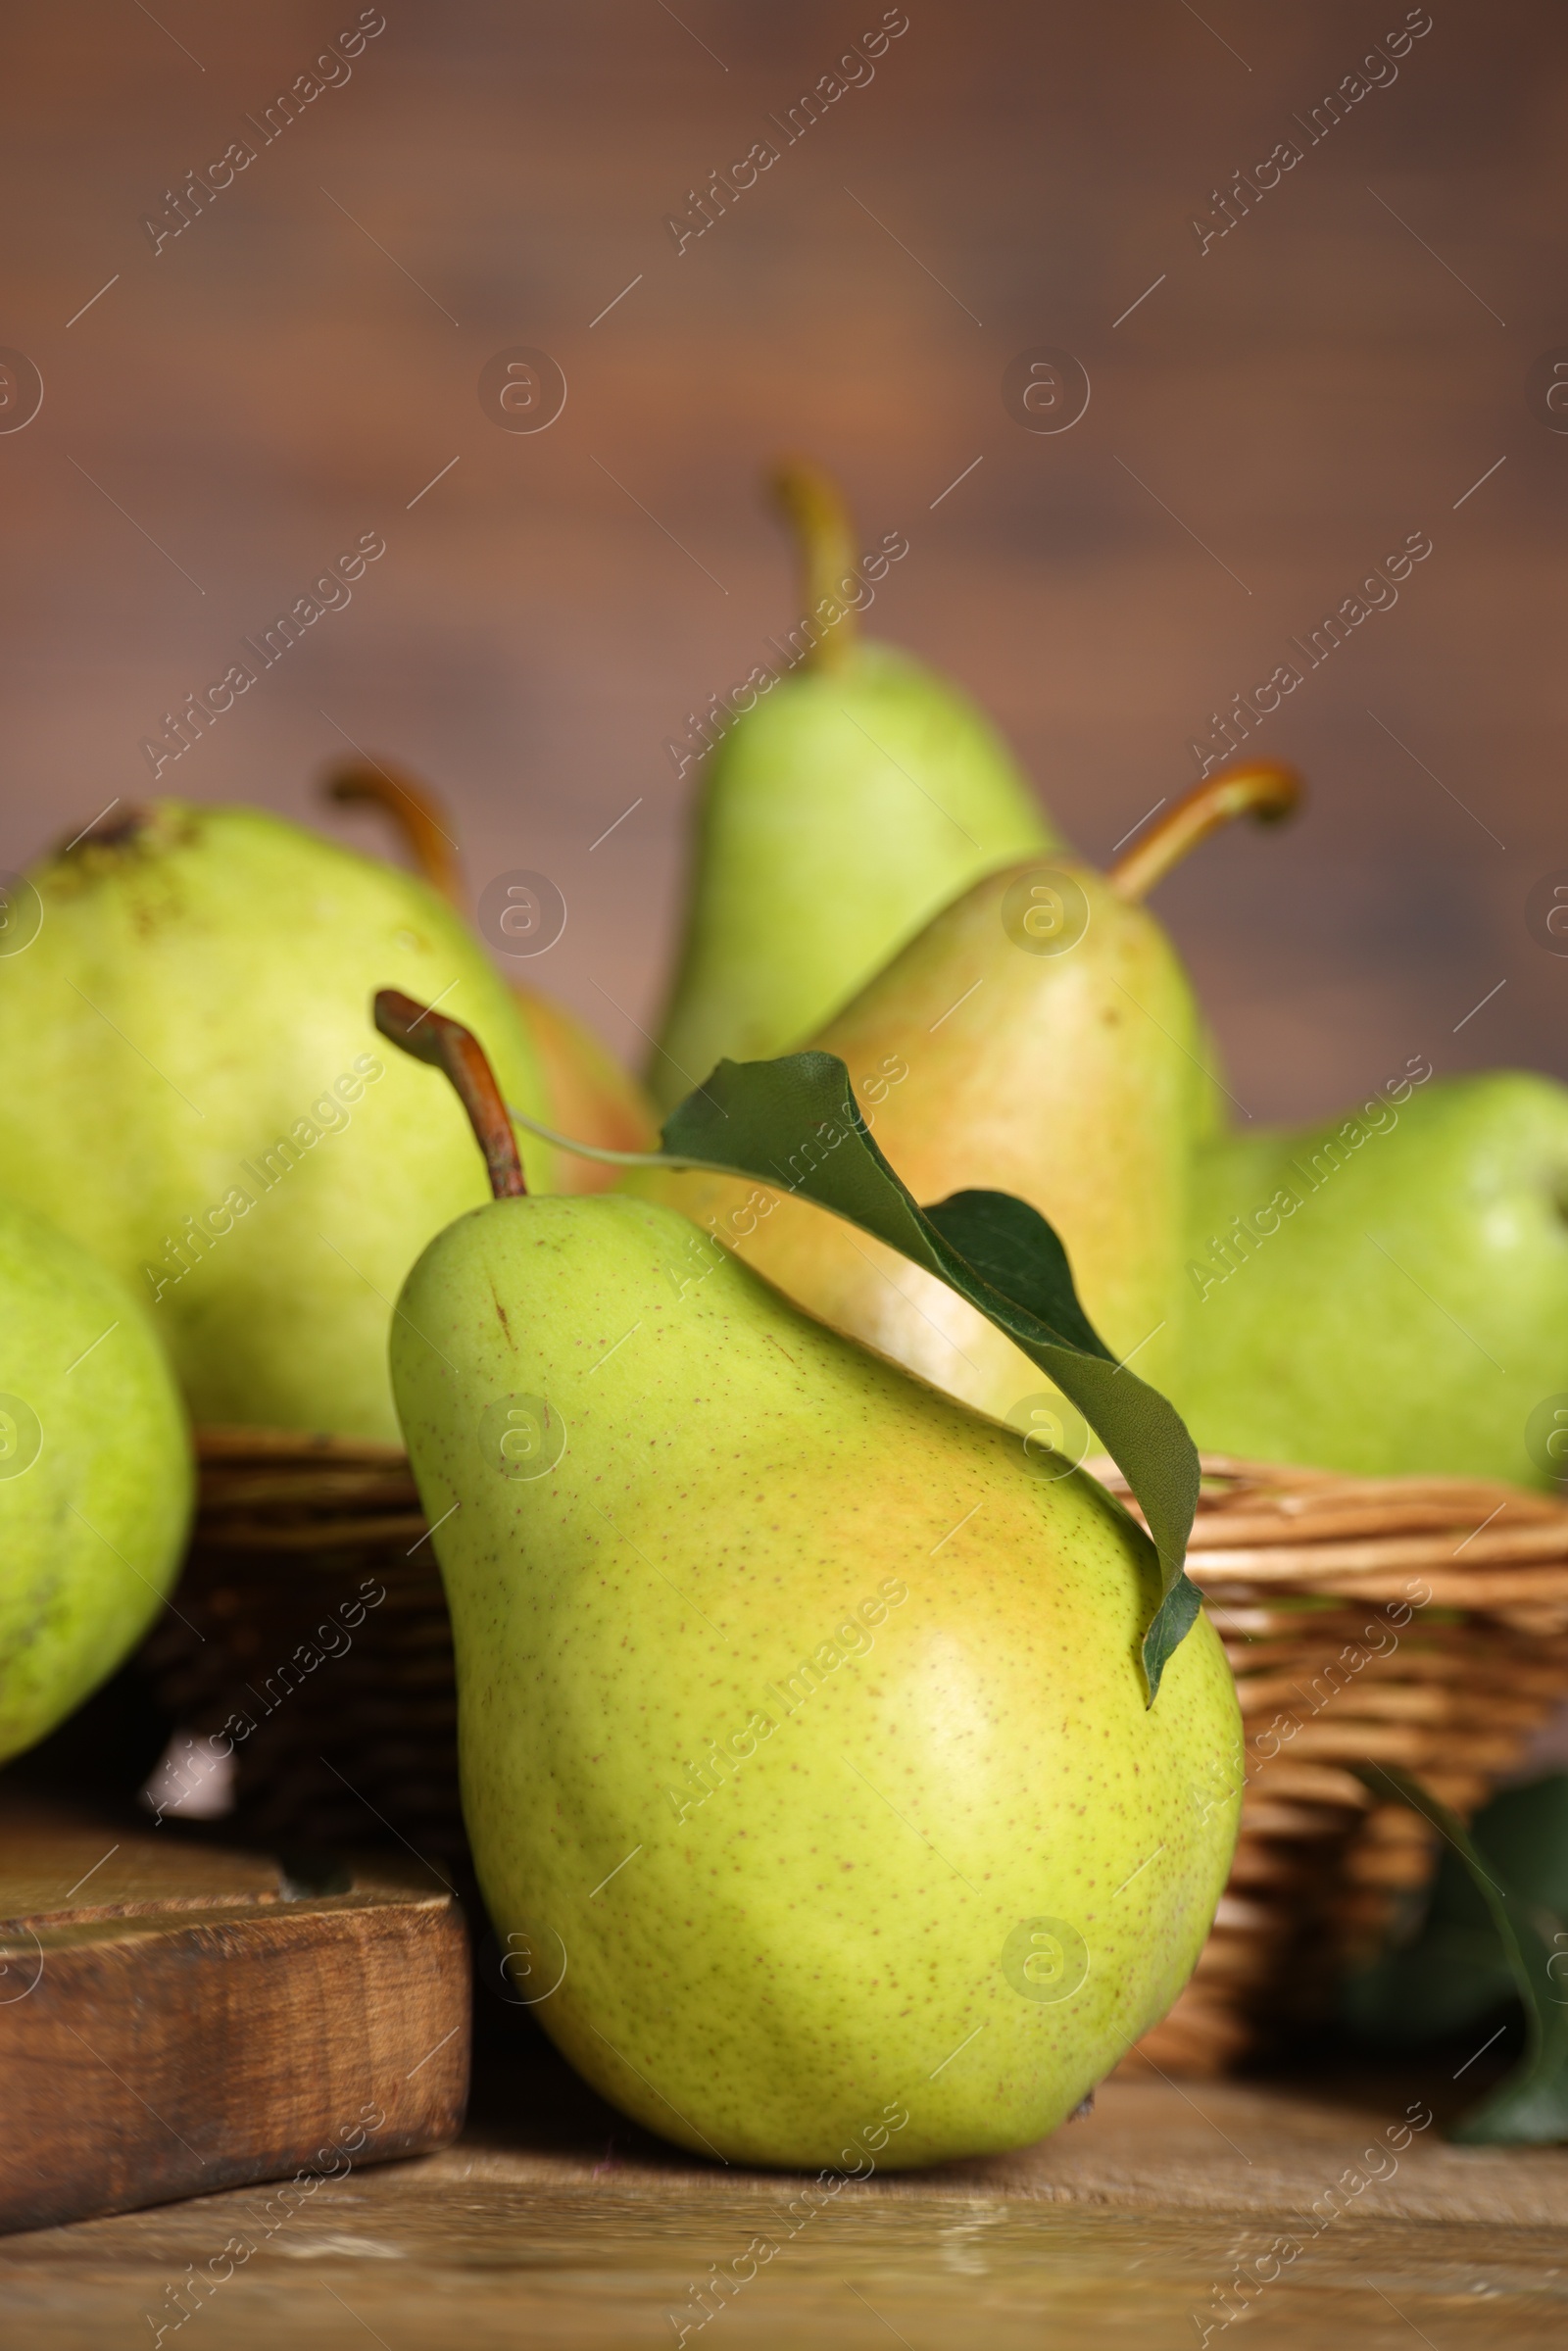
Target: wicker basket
1415	1621
1419	1621
314	1548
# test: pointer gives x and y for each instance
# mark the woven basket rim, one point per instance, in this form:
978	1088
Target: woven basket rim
240	1442
1261	1528
1223	1474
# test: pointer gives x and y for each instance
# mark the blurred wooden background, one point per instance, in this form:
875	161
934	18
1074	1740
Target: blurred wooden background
1276	414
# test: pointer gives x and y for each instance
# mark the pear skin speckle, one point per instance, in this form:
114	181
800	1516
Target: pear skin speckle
795	1712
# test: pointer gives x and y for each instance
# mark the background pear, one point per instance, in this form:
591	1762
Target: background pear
1386	1293
591	1096
96	1480
805	1750
1038	1037
202	979
856	796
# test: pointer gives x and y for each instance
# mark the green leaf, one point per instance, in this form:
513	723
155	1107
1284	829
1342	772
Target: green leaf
1013	1248
1530	2107
1444	1966
795	1124
1448	1979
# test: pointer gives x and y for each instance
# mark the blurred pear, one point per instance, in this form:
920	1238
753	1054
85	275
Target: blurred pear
856	796
201	980
1386	1293
96	1480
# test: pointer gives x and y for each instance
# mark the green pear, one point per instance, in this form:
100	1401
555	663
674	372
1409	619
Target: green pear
202	979
1386	1293
1038	1037
805	1750
96	1480
839	811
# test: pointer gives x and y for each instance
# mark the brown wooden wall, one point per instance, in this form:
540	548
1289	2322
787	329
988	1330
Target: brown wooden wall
1283	409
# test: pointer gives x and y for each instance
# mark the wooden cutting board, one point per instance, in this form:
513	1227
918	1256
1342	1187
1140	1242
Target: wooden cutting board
176	2018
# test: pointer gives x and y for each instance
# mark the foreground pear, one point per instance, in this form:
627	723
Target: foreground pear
805	1749
200	977
591	1096
1388	1294
855	794
1039	1037
96	1480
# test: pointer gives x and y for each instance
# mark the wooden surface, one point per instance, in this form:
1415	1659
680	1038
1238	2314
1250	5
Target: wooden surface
553	2222
174	2019
1274	417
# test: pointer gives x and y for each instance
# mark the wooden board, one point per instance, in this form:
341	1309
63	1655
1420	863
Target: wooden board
176	2019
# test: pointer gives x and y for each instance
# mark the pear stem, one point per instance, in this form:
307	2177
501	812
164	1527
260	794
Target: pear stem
418	814
1262	788
813	506
430	1036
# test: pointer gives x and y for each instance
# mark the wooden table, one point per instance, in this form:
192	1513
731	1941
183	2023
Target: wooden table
555	2223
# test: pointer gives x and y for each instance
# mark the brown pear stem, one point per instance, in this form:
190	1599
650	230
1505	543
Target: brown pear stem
812	504
430	1036
1263	788
420	815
